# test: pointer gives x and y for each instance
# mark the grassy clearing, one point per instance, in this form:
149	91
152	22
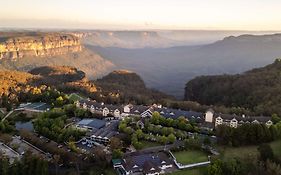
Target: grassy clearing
197	171
226	154
75	97
148	144
246	151
188	157
239	152
276	147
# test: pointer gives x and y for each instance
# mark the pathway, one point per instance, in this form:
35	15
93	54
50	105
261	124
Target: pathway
7	116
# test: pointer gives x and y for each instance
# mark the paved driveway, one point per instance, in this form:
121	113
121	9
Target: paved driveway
9	153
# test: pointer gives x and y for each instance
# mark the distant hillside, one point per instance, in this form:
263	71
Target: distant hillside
258	89
126	39
66	79
24	51
123	78
169	69
61	74
13	81
155	38
128	87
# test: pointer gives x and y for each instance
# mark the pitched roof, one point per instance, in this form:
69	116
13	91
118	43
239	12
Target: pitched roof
140	161
176	113
244	119
210	110
93	123
149	168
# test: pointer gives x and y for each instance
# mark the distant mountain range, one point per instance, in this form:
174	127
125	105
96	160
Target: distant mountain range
127	39
168	69
154	39
157	56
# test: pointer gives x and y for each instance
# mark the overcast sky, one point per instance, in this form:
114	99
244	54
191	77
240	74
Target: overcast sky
143	14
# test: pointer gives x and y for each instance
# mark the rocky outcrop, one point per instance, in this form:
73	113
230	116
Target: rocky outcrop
40	45
65	78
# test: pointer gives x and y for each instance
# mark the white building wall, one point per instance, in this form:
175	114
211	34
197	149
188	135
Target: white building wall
219	121
105	112
209	116
127	109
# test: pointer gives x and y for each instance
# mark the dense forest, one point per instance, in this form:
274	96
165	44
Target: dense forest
123	86
258	90
118	87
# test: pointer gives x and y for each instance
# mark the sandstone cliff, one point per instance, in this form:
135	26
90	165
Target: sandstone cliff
24	51
47	44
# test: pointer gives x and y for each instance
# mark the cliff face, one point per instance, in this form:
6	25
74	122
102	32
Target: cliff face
41	45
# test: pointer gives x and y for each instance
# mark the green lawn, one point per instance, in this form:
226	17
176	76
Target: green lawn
75	97
276	147
197	171
188	157
246	151
148	144
226	153
239	152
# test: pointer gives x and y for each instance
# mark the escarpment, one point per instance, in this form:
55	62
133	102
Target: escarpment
40	45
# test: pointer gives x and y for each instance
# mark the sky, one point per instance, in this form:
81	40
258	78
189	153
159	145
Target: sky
143	14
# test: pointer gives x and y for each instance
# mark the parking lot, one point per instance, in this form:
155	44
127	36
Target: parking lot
36	107
9	153
86	145
23	147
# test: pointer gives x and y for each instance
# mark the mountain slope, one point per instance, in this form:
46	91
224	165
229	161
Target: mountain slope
123	86
117	87
64	78
258	89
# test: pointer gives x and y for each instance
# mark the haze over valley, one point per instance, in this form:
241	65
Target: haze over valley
169	68
166	60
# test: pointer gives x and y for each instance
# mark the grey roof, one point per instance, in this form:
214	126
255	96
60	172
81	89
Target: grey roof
150	168
108	131
36	106
228	117
147	160
138	109
93	123
210	110
176	113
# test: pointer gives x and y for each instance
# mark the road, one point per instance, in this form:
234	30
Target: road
9	152
7	116
2	111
